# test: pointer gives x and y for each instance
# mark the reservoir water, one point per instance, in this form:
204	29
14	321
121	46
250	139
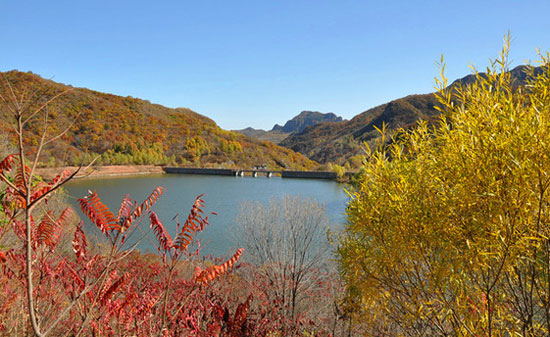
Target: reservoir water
222	195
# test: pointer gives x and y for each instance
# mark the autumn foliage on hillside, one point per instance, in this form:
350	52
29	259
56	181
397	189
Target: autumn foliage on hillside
127	130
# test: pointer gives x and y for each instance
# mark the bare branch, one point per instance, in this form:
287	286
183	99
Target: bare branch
30	100
7	103
41	144
10	184
64	131
14	97
45	104
61	183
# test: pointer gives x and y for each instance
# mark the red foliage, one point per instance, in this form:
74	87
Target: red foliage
115	292
238	323
49	230
164	239
125	293
145	205
43	188
6	163
98	212
80	246
214	272
194	223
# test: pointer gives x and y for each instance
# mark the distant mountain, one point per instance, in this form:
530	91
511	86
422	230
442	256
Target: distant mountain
338	142
296	124
272	136
305	119
127	130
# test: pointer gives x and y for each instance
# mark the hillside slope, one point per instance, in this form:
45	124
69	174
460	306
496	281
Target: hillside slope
272	136
338	142
127	130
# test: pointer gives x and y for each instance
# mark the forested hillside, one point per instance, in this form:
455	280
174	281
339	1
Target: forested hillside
339	142
272	136
127	130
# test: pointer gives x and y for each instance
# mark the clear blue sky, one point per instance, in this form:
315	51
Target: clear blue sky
257	63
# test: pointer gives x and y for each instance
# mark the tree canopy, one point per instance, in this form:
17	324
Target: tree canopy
447	230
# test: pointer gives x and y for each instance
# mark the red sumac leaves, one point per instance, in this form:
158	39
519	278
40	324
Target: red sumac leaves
213	272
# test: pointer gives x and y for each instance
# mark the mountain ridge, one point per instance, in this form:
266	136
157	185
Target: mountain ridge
304	119
127	130
342	142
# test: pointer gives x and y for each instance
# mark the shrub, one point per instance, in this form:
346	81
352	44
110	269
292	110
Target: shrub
297	285
339	170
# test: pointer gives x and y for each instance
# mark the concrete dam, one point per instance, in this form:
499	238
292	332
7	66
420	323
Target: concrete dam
252	172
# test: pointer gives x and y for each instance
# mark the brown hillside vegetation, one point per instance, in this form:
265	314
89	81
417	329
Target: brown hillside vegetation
337	142
272	136
127	130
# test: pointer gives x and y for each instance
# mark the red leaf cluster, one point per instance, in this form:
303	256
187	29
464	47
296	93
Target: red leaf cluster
7	163
215	271
98	212
195	222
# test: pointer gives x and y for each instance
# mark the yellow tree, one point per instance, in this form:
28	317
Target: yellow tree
448	227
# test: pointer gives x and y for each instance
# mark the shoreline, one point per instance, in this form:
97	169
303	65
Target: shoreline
48	173
107	171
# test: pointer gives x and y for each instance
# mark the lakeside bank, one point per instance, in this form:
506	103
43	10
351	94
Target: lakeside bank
49	173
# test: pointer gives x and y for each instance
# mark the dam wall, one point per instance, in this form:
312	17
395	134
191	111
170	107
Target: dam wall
253	173
309	174
195	170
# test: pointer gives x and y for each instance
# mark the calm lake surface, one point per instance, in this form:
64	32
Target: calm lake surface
222	195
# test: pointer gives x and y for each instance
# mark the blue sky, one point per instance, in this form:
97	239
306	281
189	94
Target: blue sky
257	63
